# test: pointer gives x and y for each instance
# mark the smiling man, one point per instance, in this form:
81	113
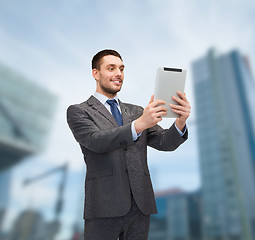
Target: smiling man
113	137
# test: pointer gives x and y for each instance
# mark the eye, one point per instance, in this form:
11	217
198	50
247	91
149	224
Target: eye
122	69
111	68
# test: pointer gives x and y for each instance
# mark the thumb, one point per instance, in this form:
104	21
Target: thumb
152	99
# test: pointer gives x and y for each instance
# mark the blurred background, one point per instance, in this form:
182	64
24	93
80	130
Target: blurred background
205	190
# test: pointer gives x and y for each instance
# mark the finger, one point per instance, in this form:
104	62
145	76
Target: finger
178	100
158	102
179	107
159	114
181	102
182	96
158	119
152	99
160	108
184	114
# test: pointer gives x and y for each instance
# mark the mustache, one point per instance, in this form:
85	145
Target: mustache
117	78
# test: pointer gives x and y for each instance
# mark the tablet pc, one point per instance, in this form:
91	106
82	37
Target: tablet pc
168	82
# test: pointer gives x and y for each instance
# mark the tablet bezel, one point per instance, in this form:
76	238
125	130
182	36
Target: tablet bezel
168	82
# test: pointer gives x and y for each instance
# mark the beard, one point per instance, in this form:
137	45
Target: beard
109	90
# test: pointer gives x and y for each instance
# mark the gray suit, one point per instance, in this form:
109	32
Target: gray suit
115	163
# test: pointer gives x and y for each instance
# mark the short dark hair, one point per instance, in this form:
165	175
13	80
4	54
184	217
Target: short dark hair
96	60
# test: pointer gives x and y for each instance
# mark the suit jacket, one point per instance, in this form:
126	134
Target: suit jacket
117	165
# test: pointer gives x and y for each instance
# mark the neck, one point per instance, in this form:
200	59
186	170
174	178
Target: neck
108	95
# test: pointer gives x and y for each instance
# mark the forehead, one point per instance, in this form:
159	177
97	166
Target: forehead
110	59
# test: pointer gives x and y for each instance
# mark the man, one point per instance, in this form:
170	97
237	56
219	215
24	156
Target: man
113	137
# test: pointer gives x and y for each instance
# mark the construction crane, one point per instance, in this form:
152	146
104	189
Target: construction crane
54	226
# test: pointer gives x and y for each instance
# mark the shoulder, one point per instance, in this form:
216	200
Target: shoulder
78	108
132	107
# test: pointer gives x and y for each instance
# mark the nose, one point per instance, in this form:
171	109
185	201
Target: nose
118	72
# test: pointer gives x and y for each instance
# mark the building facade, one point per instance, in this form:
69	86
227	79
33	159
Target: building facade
178	218
224	92
26	112
26	115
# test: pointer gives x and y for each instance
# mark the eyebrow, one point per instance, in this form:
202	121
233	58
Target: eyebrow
114	65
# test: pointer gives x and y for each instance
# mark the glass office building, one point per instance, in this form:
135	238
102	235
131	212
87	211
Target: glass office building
178	218
224	94
26	112
5	177
26	115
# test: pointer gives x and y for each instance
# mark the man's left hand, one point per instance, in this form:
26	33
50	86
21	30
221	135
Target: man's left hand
183	109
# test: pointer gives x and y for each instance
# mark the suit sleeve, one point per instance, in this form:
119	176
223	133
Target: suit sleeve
87	133
165	139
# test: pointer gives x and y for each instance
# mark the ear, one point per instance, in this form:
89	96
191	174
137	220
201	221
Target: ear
95	73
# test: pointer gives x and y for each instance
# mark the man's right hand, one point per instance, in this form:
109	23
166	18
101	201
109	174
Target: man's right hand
151	115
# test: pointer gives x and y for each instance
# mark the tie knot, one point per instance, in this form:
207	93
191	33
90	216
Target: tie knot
111	102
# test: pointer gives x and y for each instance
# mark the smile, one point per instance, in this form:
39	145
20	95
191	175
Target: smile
117	81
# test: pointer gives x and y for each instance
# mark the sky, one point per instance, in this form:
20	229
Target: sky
52	42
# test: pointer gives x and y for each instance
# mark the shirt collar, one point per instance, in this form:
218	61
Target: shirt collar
102	98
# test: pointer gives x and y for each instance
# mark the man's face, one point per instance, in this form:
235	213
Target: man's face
110	75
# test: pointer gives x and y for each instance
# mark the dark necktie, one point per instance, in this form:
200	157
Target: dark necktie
115	111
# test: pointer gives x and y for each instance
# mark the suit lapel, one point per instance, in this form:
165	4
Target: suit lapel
99	107
125	113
